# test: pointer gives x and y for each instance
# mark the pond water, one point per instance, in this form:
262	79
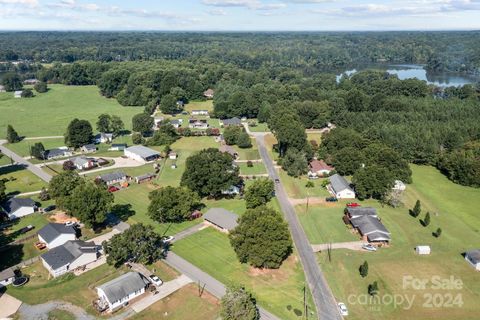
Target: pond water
410	71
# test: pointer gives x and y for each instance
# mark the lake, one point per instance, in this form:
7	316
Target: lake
410	71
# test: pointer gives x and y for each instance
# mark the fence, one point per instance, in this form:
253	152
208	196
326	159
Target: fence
24	263
19	241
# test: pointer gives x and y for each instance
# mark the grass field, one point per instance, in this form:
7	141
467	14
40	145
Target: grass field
296	187
279	291
260	127
58	314
453	208
20	180
50	113
248	153
184	304
199	105
258	168
22	148
5	161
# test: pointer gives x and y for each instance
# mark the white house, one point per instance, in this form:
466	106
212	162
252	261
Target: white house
172	155
157	121
19	207
89	148
69	256
17	94
340	188
423	250
198	124
6	277
141	154
233	190
115	293
399	186
199	112
176	123
83	163
209	93
103	137
473	257
56	234
57	153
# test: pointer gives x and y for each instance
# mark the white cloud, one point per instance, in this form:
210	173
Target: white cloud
217	12
250	4
30	3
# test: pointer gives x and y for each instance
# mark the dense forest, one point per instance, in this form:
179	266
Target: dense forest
288	81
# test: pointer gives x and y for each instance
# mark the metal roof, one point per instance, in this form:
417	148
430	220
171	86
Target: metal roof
142	151
113	176
68	253
474	255
13	204
369	225
53	230
362	211
339	183
123	286
221	218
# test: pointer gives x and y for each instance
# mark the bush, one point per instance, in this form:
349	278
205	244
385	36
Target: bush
244	141
68	166
373	288
437	233
41	87
426	221
27	93
137	138
249	164
364	269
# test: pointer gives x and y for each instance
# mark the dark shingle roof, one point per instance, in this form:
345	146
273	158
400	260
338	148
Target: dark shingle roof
53	230
13	204
67	253
7	274
368	225
90	146
362	211
123	286
474	255
114	176
232	122
53	153
339	183
222	218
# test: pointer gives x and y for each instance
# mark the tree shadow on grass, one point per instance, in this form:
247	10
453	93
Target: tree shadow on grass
123	211
11	255
11	169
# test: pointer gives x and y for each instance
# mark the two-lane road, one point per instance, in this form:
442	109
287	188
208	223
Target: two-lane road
323	298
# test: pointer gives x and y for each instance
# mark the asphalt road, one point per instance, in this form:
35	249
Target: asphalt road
212	285
322	295
28	165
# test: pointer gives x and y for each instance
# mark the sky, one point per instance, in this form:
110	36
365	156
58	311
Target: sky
240	15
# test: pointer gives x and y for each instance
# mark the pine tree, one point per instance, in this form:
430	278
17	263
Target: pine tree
12	135
426	220
373	288
437	233
364	269
417	209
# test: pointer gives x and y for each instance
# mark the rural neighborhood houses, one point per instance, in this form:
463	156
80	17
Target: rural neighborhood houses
19	207
69	256
145	178
89	148
113	178
84	163
233	122
197	124
56	234
141	154
209	93
176	123
473	257
199	112
104	137
117	292
6	277
318	168
117	147
221	219
365	220
340	188
57	153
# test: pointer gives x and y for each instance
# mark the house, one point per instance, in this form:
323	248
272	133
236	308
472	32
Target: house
473	257
19	207
103	137
423	250
117	292
399	186
89	148
84	163
199	113
31	82
56	234
69	256
57	153
6	277
340	188
233	190
198	124
230	150
17	94
157	121
172	155
357	212
235	122
209	93
221	219
2	89
117	147
371	229
141	153
145	178
180	104
176	123
113	178
318	168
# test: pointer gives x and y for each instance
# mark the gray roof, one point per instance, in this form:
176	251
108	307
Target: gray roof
143	152
68	253
53	230
232	122
7	274
362	211
474	255
145	176
113	176
378	236
221	218
123	286
53	153
13	204
118	145
90	146
175	121
339	183
80	161
368	225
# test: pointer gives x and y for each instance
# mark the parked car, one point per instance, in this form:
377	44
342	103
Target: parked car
277	180
353	205
168	239
368	247
342	308
50	208
40	245
26	229
155	280
113	189
331	199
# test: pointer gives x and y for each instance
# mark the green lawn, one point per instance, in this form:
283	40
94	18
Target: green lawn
260	127
199	105
58	314
453	208
248	153
4	161
20	180
50	113
22	148
11	233
296	187
279	291
257	168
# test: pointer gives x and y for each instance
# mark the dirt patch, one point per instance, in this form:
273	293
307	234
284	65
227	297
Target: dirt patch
62	217
276	274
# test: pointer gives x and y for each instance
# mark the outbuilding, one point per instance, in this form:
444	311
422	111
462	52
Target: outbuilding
473	257
422	250
222	219
19	207
6	277
141	153
56	234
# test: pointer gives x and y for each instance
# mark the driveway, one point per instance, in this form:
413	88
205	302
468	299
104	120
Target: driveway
354	245
188	232
9	305
322	295
119	163
28	165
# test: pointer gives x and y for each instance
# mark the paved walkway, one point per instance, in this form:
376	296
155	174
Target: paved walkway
28	165
354	245
8	305
164	290
119	163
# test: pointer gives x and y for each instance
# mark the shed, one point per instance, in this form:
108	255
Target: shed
223	219
422	250
473	257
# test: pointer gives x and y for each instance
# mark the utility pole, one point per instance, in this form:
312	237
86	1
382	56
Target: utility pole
305	301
